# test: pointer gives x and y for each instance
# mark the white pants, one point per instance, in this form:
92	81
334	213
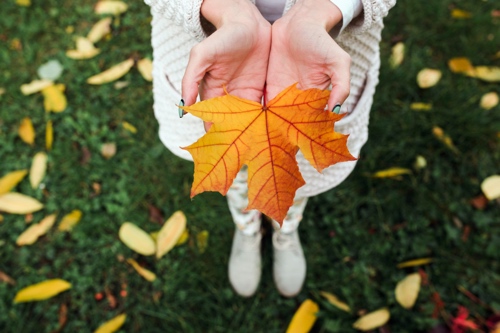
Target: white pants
249	221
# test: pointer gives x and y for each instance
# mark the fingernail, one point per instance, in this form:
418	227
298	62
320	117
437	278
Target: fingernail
336	109
181	111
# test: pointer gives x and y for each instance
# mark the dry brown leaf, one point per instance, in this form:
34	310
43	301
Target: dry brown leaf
35	86
145	67
100	29
38	169
304	318
112	325
491	187
108	150
391	172
397	55
41	291
49	135
7	279
17	203
460	14
54	99
461	65
145	273
70	220
489	100
170	233
407	290
31	235
137	239
428	77
10	180
112	74
129	127
372	320
333	300
487	73
27	131
202	240
111	7
85	49
418	106
415	262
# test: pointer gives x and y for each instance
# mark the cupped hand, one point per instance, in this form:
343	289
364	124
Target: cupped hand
302	51
235	56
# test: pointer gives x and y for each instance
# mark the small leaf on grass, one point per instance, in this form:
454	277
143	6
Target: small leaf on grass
108	150
489	74
38	169
70	220
415	262
420	162
145	67
112	74
202	240
145	273
461	65
17	203
7	279
100	29
444	138
112	325
85	49
491	187
35	86
489	100
391	172
111	7
407	290
49	135
31	235
27	131
137	239
372	320
460	14
41	291
397	55
23	3
170	233
428	77
10	180
333	300
129	127
51	70
54	99
184	237
304	318
418	106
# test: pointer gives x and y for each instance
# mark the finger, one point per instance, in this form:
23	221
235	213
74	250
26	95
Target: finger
341	82
195	71
207	125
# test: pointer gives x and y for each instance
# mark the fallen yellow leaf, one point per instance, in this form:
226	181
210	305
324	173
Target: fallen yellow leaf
41	291
444	138
17	203
23	3
35	86
137	239
111	7
184	237
420	162
407	290
49	135
487	73
333	300
489	100
145	67
460	14
112	325
70	220
85	49
108	150
420	106
491	187
145	273
391	172
415	262
38	169
129	127
304	318
461	65
202	240
112	74
428	77
27	131
170	233
31	235
10	180
397	55
100	29
54	98
372	320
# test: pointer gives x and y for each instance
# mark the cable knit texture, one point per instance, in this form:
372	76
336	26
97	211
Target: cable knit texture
177	27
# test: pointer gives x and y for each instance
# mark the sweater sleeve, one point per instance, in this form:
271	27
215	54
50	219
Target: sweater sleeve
373	12
185	13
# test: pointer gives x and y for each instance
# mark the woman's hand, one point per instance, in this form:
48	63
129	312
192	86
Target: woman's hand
235	56
302	51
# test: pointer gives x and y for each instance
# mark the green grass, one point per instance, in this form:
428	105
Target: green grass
353	236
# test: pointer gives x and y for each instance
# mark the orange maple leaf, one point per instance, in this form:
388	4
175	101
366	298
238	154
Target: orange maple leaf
266	139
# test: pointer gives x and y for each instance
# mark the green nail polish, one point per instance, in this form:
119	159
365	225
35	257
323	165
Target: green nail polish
336	109
181	111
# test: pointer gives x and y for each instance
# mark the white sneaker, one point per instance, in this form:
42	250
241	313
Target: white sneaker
245	263
289	268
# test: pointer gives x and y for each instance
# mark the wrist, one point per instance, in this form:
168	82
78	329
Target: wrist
323	12
218	12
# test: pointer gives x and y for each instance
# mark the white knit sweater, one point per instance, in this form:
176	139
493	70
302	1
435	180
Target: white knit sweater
177	27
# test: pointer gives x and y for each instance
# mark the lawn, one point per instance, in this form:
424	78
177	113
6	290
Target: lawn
353	236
